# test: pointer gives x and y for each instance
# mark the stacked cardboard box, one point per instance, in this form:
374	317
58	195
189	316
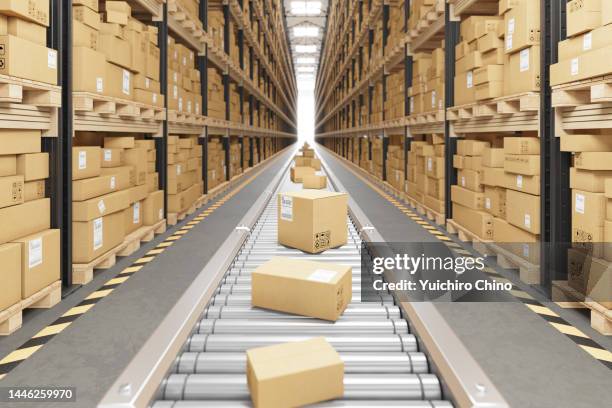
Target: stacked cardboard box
587	50
184	83
115	54
394	105
433	160
216	163
235	164
421	64
591	183
376	164
521	33
433	97
419	10
29	249
216	101
479	59
468	196
395	167
185	182
23	34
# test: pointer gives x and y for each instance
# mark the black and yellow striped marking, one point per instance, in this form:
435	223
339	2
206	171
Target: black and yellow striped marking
31	346
587	344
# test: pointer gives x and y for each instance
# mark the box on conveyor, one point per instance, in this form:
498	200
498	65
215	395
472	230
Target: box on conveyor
298	173
290	285
294	374
312	220
314	181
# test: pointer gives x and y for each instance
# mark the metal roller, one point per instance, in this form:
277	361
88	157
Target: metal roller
246	289
354	363
349	343
313	327
351	313
331	404
245	280
245	299
356	387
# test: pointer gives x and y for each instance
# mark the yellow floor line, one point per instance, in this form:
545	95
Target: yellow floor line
78	310
566	329
599	354
117	280
20	354
99	294
49	330
131	269
156	251
542	310
164	244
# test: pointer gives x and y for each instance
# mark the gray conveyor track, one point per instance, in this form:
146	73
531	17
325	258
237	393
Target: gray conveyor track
383	364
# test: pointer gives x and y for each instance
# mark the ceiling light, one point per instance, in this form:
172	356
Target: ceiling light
306	31
306	49
310	8
306	60
306	69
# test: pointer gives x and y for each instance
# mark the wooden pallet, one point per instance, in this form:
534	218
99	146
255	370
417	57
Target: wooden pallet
481	246
430	29
83	273
584	105
601	316
512	113
187	26
12	317
529	273
39	94
431	215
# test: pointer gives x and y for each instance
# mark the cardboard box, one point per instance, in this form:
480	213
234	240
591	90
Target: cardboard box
593	161
93	238
315	374
471	147
465	91
315	164
522	69
86	16
88	70
153	208
495	201
593	181
11	191
84	36
490	73
36	11
33	166
34	190
10	290
522	183
470	179
8	165
85	162
23	29
99	206
586	65
19	141
28	60
493	157
312	220
313	181
138	193
599	282
152	182
137	158
516	240
118	82
586	143
523	211
522	145
125	176
528	165
112	157
298	173
92	4
117	51
489	90
40	261
133	217
582	16
592	40
289	285
89	188
588	210
522	26
17	221
606	13
478	222
492	176
467	198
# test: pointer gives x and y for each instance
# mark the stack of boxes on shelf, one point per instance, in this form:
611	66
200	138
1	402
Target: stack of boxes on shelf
425	179
395	166
421	63
433	99
191	8
235	164
29	249
376	164
114	54
586	52
216	101
184	83
115	192
23	34
185	182
216	163
394	105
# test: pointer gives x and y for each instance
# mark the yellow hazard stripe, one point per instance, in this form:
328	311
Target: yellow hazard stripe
49	330
20	354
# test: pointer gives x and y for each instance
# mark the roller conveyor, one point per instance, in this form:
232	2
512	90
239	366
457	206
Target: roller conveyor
383	364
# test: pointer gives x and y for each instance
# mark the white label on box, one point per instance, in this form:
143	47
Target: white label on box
175	91
113	183
126	82
526	250
184	60
136	216
463	181
587	42
52	59
82	160
470	79
98	233
575	68
178	169
287	208
429	164
35	252
509	43
524	60
322	275
147	83
180	105
160	215
510	26
488	203
527	220
580	203
154	97
175	77
101	206
100	84
519	181
108	155
433	99
197	108
189	106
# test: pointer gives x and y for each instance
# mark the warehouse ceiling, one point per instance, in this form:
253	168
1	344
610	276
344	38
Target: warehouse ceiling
306	26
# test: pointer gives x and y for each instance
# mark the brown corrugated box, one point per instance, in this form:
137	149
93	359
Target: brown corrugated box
523	211
289	285
470	179
495	201
88	70
137	158
493	176
86	16
24	29
586	65
586	143
17	220
593	160
153	208
523	69
17	141
85	162
522	26
314	181
100	206
42	61
588	210
118	82
10	290
36	11
8	165
593	181
583	16
298	173
92	4
528	165
86	189
312	220
522	145
112	157
34	190
125	176
477	222
11	191
516	240
467	198
40	261
93	238
117	51
294	374
33	166
493	157
472	147
522	183
133	217
138	193
573	47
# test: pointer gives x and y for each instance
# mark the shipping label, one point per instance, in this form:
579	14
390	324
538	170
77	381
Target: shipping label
52	59
580	203
524	60
101	206
35	252
575	67
113	183
287	208
98	233
100	84
322	240
470	79
136	213
322	275
108	155
527	221
126	82
82	160
587	42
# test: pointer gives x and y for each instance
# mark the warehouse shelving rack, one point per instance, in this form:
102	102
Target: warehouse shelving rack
536	111
169	17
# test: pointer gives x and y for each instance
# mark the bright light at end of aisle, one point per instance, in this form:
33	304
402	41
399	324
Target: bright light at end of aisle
305	69
306	49
306	60
310	8
306	31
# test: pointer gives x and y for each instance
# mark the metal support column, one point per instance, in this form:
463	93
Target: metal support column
451	38
407	85
203	67
161	143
